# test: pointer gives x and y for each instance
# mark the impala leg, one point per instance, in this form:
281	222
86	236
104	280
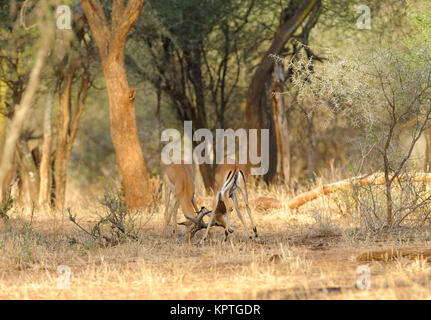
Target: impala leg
226	234
227	229
227	223
208	228
190	233
245	198
211	218
174	211
167	218
235	202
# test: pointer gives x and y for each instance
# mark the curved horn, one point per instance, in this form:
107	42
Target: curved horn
197	222
203	213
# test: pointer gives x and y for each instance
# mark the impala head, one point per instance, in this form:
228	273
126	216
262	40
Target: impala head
220	221
199	224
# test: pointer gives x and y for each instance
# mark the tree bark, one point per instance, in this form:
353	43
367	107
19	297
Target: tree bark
45	162
63	126
281	128
3	122
3	118
124	135
111	41
67	127
256	90
29	170
427	134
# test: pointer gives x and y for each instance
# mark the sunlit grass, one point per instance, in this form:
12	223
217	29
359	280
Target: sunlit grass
301	254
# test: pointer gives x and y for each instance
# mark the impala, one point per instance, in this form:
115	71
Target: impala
179	182
229	178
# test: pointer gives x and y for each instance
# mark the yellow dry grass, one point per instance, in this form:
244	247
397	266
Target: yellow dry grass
295	257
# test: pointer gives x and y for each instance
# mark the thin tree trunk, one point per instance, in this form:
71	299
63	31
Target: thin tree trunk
67	128
158	119
63	127
281	128
29	170
256	90
269	123
45	167
3	118
3	124
311	154
23	108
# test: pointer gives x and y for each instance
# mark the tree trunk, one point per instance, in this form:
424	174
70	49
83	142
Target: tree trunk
67	127
3	118
269	123
63	127
111	41
3	123
124	134
29	170
281	129
256	90
45	163
311	153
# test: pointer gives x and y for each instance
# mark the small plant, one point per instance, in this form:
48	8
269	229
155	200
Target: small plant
117	217
379	93
5	206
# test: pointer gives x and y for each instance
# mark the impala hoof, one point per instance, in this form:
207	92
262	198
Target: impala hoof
255	232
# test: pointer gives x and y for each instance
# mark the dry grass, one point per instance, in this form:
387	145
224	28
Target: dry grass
306	254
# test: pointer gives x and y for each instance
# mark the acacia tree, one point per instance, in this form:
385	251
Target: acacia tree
377	93
420	22
281	126
257	107
111	42
67	122
15	49
197	50
22	98
297	19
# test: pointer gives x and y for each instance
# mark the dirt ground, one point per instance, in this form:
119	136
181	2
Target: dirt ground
45	256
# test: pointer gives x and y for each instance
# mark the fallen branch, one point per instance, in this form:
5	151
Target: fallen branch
374	179
393	254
